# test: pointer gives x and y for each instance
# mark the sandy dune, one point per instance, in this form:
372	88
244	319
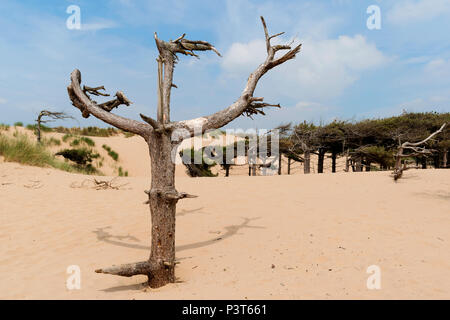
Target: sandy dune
320	233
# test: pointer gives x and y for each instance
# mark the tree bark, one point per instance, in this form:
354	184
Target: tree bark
333	162
423	160
307	162
445	159
436	162
320	160
289	166
163	209
279	163
38	129
227	171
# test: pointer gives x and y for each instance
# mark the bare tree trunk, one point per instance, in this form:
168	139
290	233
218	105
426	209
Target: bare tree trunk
38	129
333	162
436	161
163	209
289	165
358	166
279	163
424	162
307	162
347	162
320	160
445	159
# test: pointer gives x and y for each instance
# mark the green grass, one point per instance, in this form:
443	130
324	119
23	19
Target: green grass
51	142
78	140
66	137
111	152
122	173
4	126
88	131
127	134
88	141
43	128
20	149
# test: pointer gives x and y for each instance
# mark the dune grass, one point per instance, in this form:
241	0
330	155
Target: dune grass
88	131
111	152
20	149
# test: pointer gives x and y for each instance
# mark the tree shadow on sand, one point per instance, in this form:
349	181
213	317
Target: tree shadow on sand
117	240
105	236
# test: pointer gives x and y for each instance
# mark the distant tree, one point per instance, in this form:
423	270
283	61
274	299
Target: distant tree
52	117
304	136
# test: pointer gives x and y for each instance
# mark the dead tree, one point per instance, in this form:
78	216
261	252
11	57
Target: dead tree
49	114
415	150
162	135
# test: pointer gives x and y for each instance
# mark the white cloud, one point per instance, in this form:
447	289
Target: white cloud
95	26
438	67
3	101
322	70
411	11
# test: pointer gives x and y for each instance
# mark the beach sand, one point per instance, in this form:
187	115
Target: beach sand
273	237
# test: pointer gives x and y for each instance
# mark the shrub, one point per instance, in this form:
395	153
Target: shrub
75	142
18	124
197	170
82	157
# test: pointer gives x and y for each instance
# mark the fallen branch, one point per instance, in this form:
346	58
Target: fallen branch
99	184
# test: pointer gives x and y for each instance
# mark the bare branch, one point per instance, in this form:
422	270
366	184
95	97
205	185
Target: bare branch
417	151
130	269
87	107
95	91
409	144
245	101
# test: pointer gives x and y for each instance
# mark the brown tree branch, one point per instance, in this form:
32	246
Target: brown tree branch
87	107
130	269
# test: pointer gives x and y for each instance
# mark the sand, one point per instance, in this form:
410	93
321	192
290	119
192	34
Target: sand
276	237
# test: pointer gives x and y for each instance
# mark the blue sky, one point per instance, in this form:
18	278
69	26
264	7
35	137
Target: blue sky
344	70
